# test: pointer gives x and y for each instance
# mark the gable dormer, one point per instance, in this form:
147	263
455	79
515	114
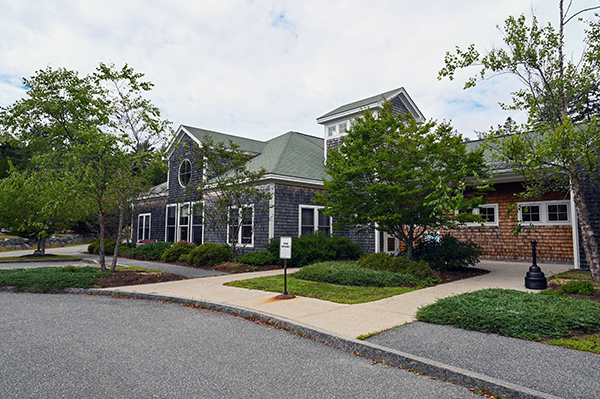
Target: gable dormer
337	121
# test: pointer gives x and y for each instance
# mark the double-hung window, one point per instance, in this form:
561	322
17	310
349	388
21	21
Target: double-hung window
143	226
241	226
184	222
196	216
171	224
545	212
313	220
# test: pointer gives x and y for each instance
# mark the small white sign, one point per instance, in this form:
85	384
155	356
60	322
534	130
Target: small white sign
285	248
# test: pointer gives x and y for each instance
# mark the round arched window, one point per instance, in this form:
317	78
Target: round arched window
185	172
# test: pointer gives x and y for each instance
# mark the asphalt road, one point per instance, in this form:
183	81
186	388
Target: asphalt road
77	346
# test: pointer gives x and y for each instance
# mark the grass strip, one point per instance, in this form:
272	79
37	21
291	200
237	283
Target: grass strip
588	343
47	278
36	258
324	291
515	314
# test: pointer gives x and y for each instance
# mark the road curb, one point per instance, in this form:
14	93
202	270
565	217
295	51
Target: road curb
420	365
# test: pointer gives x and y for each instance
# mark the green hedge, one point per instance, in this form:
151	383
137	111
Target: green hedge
448	253
259	258
177	250
151	251
317	248
348	273
109	247
209	254
384	262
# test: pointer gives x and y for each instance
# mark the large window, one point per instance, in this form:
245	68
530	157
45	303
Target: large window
313	220
196	216
143	226
241	226
545	212
184	222
171	223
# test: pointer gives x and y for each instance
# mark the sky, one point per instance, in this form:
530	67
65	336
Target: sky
260	68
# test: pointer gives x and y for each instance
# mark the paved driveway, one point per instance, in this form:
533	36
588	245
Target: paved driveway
76	346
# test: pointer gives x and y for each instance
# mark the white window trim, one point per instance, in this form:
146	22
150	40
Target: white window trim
336	128
491	224
167	221
239	242
178	224
143	216
386	248
544	213
191	225
179	172
315	209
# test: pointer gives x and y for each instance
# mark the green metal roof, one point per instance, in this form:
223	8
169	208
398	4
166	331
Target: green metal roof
361	104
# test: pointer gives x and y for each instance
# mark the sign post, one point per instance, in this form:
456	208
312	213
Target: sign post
285	253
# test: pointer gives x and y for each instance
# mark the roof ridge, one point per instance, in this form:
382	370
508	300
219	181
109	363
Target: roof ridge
287	142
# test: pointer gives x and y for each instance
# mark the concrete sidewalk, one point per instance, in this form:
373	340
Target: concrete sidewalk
349	320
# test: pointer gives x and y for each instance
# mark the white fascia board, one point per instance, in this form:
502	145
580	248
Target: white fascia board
180	132
506	176
353	111
275	178
410	104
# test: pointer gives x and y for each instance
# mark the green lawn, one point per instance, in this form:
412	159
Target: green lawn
324	291
8	259
47	278
43	279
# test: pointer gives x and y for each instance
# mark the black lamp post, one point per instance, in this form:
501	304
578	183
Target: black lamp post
535	279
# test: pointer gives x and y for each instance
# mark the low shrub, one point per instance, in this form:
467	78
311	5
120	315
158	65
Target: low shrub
448	253
578	287
259	258
109	247
348	273
176	251
384	262
209	254
151	251
317	248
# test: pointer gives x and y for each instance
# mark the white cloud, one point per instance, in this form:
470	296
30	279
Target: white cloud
260	68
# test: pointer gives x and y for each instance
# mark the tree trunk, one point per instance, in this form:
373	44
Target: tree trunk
102	260
41	246
113	266
588	240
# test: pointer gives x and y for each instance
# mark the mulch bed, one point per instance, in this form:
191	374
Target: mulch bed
130	277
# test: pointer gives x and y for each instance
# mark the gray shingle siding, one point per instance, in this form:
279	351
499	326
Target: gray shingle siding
184	150
157	209
287	208
334	142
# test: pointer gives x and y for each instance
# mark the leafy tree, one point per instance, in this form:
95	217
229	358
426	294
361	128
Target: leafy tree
98	128
139	125
400	176
230	192
38	202
556	149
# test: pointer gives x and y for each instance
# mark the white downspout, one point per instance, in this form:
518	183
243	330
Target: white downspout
575	232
